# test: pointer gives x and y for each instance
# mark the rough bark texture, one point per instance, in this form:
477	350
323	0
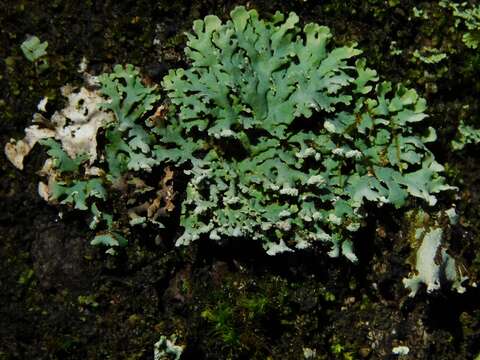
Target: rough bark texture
60	298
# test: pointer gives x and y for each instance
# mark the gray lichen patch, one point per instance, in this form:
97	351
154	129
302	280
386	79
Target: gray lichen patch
432	264
75	126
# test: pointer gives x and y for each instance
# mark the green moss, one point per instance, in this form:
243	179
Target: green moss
222	319
26	277
341	351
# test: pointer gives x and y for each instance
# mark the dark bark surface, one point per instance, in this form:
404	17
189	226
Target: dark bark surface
61	298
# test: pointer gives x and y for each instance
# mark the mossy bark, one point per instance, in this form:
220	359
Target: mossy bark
62	299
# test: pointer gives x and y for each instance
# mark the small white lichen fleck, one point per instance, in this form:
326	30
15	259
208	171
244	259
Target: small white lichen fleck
316	179
284	225
286	190
227	133
400	350
329	126
309	353
338	151
305	153
274	248
42	104
82	66
167	349
353	154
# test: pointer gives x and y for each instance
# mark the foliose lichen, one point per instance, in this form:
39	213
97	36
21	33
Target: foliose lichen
287	137
466	134
468	18
99	148
431	261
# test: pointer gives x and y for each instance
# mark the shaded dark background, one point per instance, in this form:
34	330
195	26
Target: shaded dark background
60	298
